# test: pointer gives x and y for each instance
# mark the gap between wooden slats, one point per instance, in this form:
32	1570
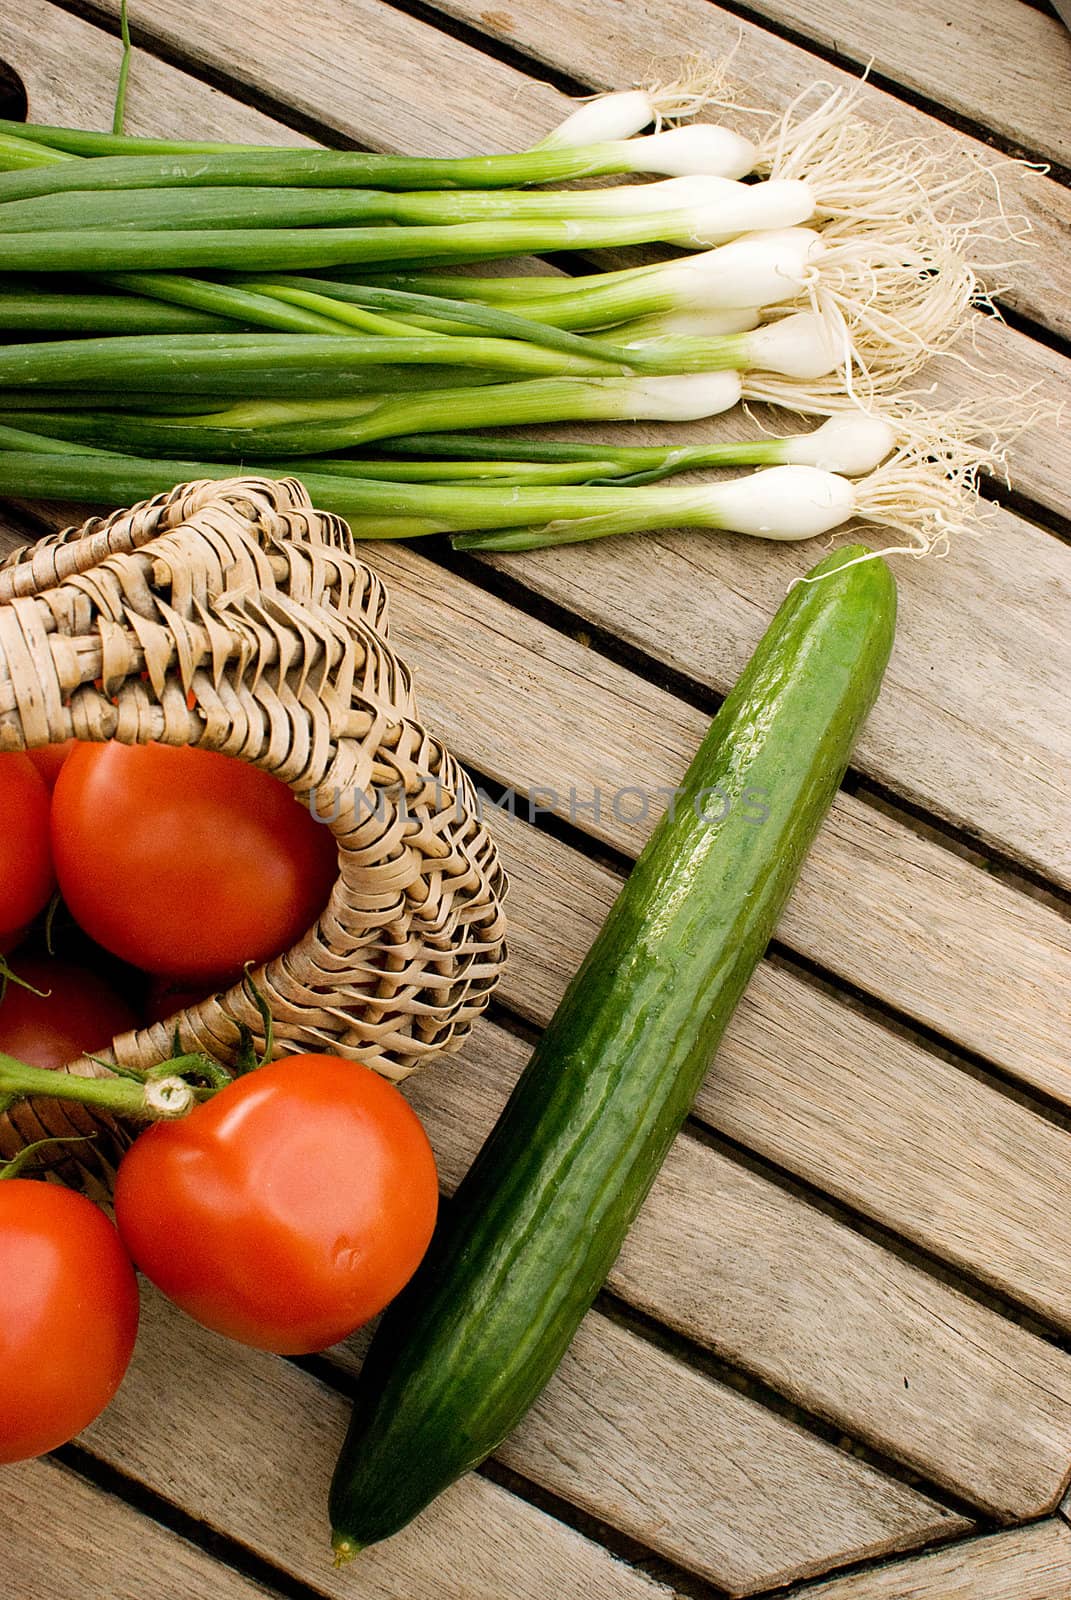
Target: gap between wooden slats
248	1443
1022	1564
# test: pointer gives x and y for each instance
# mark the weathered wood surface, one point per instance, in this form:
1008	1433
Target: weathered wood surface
899	916
61	1537
1021	1564
902	918
957	730
1001	63
791	1297
973	723
250	1448
820	1090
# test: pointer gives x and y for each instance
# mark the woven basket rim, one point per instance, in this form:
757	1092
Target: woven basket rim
232	615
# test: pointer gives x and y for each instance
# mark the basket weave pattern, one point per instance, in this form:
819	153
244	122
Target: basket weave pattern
235	617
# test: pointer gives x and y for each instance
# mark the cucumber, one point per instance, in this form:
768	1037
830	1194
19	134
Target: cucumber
537	1223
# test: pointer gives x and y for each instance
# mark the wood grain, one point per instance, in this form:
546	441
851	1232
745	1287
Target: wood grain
247	1443
70	69
1003	64
890	911
973	723
907	921
1022	1564
693	1468
832	1320
885	908
64	1539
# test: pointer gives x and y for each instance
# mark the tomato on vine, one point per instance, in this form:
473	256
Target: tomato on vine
166	998
288	1209
49	758
26	875
68	1315
185	862
58	1011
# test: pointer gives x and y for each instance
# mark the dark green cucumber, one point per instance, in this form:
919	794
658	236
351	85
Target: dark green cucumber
537	1223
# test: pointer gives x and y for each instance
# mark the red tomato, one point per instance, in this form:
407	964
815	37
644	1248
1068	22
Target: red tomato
288	1209
49	758
76	1012
166	998
68	1315
185	862
26	876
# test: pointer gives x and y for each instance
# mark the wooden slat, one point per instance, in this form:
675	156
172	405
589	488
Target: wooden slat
1001	63
827	1094
888	910
247	1442
972	720
972	723
63	1539
906	920
830	1319
891	1129
358	67
70	70
484	104
1022	1564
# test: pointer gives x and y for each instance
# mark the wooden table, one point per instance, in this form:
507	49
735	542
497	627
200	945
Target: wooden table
833	1354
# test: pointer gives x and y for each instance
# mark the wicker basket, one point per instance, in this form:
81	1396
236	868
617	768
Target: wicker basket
236	617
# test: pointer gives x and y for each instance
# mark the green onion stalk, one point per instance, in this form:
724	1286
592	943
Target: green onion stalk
798	346
613	116
35	310
602	147
275	304
851	444
20	154
380	510
170	302
113	249
394	509
654	295
200	363
762	269
691	210
263	429
926	490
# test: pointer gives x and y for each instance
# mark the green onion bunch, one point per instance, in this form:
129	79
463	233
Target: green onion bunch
176	310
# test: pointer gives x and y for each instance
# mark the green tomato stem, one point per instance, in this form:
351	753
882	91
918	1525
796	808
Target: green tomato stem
15	1167
166	1095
